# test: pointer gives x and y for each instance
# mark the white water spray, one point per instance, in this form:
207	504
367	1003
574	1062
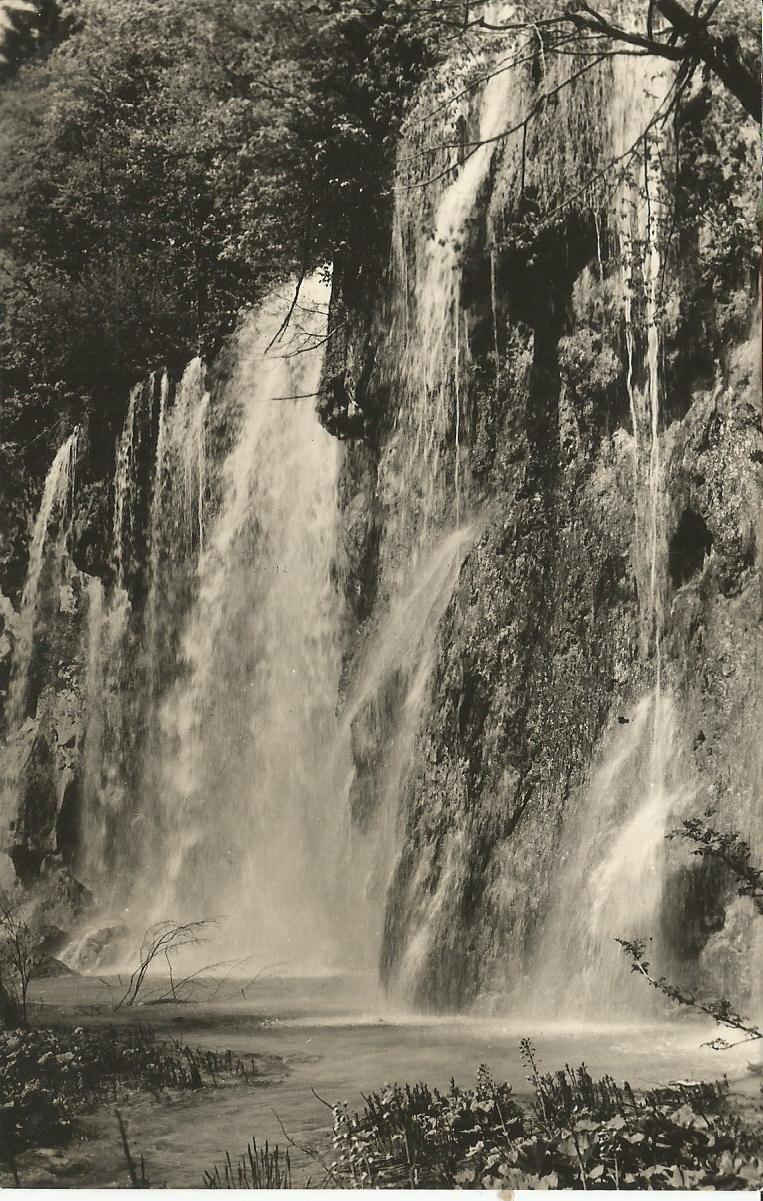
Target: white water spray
423	487
385	706
642	213
243	806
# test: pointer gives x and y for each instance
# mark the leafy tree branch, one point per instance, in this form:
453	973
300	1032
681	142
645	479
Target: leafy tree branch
727	847
730	849
685	38
721	1011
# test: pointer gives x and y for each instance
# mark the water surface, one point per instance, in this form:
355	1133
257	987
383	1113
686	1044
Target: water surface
338	1037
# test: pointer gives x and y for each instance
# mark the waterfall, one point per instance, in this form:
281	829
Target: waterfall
119	661
94	833
176	537
56	504
381	719
111	712
613	848
253	755
114	700
611	868
180	476
423	476
642	216
213	654
432	363
636	855
123	477
245	824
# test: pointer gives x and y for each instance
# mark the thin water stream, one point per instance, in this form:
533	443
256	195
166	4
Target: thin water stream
55	508
337	1036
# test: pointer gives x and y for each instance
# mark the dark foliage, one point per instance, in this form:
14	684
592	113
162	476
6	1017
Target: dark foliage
578	1133
167	162
48	1076
727	847
575	1132
259	1167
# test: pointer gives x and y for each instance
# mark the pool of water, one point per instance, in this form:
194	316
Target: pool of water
339	1040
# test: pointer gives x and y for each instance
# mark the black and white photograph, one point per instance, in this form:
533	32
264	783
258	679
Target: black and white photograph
381	609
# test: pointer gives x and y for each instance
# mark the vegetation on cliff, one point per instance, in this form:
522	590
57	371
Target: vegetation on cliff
168	161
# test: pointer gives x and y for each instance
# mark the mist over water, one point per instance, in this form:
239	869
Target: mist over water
246	823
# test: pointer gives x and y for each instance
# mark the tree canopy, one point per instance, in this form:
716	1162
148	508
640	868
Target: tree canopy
167	160
170	159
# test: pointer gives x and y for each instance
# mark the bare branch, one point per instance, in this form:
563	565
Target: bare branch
310	1151
163	939
285	323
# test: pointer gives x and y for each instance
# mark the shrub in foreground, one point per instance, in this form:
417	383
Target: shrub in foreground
578	1132
48	1076
261	1167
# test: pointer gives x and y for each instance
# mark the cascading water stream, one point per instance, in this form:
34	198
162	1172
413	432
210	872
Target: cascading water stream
129	648
123	476
245	825
422	485
112	700
57	502
611	870
613	854
424	464
380	720
176	537
47	554
640	230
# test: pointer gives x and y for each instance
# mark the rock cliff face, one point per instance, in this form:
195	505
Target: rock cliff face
550	638
549	539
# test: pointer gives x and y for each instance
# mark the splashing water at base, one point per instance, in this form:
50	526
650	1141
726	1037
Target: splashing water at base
355	1043
612	868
